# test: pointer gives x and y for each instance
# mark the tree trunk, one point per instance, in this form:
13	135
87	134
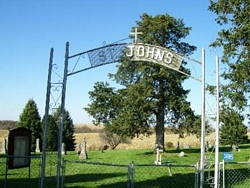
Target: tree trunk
160	115
159	129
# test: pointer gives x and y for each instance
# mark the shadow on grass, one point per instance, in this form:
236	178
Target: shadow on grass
165	181
19	183
234	177
96	180
120	181
191	150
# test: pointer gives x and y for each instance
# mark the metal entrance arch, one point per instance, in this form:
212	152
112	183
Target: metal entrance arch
108	54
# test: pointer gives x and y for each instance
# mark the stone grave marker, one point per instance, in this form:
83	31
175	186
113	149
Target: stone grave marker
37	146
63	149
186	146
181	154
4	146
83	154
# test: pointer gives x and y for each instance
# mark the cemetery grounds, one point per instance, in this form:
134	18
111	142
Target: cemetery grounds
129	168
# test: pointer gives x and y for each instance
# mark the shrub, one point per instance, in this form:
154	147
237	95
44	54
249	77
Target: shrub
112	139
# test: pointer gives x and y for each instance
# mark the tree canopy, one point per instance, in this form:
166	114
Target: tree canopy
233	131
68	129
52	134
151	94
31	120
234	39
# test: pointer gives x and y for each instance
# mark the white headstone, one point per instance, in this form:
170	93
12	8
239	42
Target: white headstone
37	145
234	147
186	146
4	146
181	154
63	148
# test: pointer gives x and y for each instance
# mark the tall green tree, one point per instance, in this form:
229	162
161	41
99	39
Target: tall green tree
234	39
196	127
52	135
151	94
233	131
31	120
68	129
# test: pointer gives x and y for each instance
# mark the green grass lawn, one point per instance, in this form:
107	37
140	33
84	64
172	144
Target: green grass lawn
149	176
110	169
147	156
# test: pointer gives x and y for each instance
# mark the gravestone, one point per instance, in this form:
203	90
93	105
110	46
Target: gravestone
186	146
83	154
181	154
4	146
63	149
37	146
235	147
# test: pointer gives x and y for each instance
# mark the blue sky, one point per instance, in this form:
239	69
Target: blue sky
29	29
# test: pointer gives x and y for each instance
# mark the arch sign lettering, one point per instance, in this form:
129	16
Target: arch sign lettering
136	51
155	54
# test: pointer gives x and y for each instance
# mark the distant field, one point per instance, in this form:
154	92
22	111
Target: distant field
94	141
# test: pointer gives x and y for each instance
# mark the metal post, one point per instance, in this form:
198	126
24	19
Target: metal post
196	175
223	168
216	173
202	120
46	120
59	156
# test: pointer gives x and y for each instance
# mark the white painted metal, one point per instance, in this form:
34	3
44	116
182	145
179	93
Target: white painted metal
223	168
216	171
202	120
135	34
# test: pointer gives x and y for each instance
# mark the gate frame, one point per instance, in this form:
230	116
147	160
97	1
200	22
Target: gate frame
63	96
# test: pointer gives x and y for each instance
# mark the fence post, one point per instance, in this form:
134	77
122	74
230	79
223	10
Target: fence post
196	183
63	172
130	183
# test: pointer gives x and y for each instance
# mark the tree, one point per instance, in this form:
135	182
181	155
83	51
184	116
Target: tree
183	122
151	94
233	131
52	135
196	128
31	120
68	129
234	39
191	124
